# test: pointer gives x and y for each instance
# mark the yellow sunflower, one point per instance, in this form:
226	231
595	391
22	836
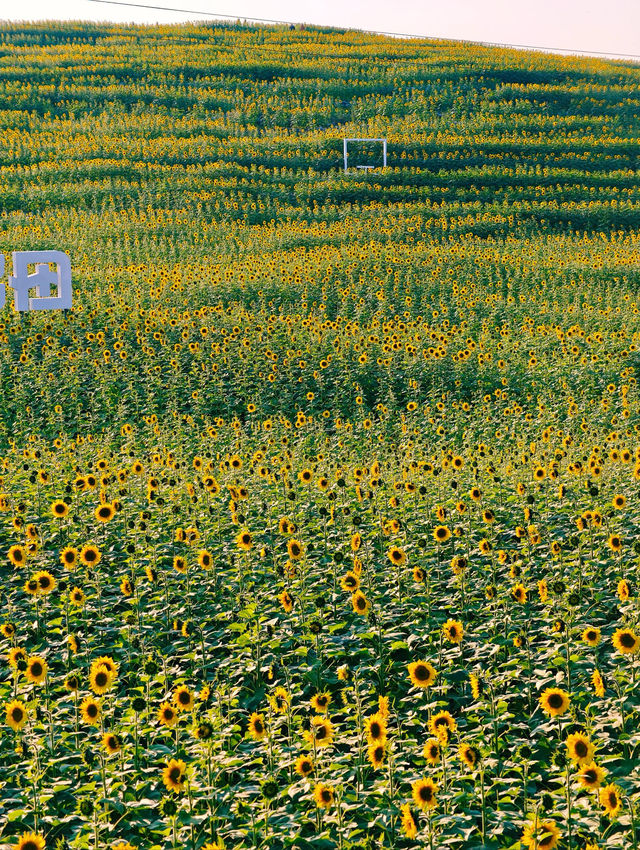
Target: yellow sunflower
422	674
554	701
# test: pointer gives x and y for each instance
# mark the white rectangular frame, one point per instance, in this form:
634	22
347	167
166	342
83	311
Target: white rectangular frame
345	144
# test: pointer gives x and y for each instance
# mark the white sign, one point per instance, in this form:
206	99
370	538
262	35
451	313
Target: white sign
22	282
345	151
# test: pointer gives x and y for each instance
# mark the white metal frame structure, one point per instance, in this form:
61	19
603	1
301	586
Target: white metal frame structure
345	144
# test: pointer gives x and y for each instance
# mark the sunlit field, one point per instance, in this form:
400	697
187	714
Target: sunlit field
320	511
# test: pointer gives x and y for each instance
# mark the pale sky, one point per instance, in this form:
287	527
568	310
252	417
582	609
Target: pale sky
583	26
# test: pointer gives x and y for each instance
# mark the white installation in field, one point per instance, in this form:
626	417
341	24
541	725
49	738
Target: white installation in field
40	280
345	147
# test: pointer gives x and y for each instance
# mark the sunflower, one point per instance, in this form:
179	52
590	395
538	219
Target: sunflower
72	683
179	564
30	841
323	795
105	512
598	683
554	701
611	800
442	725
591	636
17	555
257	730
167	715
376	753
408	823
419	575
424	793
90	555
108	662
320	733
31	586
453	631
203	731
280	700
59	509
350	582
422	674
431	751
320	702
304	765
540	834
519	593
360	603
623	590
614	542
397	556
36	670
286	601
8	630
469	755
619	502
205	559
244	540
100	679
441	534
591	776
68	557
579	748
90	710
375	728
112	743
173	775
16	714
46	582
295	549
183	698
77	597
626	641
17	656
476	685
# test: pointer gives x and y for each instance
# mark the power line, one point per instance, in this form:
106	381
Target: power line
367	32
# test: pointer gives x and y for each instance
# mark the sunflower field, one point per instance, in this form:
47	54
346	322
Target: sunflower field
320	510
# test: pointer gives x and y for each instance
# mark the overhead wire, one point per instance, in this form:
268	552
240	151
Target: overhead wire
230	17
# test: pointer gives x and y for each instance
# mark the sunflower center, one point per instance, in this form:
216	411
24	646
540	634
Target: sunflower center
17	714
174	774
581	749
590	777
421	672
555	700
36	669
627	640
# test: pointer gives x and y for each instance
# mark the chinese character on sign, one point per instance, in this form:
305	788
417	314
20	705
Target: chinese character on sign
40	280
